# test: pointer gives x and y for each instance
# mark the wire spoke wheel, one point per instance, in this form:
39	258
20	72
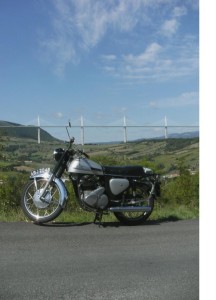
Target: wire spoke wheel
138	197
37	209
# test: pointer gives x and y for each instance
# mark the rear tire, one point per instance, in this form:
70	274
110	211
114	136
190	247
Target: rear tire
137	218
37	210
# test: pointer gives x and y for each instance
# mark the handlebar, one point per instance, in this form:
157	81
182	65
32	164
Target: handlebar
74	151
83	153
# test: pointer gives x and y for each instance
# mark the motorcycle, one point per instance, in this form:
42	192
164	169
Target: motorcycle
127	191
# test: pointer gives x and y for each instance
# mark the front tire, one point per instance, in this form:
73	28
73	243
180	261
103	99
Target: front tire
37	210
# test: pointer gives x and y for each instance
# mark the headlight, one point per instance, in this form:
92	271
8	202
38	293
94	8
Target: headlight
58	153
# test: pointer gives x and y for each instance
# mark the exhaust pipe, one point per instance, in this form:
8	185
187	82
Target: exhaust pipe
130	209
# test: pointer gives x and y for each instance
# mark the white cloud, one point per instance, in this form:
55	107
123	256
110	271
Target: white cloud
169	27
144	58
109	69
59	115
179	11
79	26
153	104
158	63
109	57
183	100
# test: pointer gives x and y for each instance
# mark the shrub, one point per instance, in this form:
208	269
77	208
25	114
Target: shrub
182	190
10	191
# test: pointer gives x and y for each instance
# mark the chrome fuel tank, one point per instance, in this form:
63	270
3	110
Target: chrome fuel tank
84	166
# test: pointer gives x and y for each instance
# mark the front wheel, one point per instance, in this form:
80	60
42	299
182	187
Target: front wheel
137	218
37	210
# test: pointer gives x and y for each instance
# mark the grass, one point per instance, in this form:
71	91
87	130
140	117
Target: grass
160	214
181	212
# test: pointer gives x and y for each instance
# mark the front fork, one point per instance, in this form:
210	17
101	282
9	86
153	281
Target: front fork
44	191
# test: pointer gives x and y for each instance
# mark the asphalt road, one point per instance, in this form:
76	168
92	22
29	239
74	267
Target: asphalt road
82	261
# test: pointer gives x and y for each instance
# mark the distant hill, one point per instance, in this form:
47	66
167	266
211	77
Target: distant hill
13	130
184	135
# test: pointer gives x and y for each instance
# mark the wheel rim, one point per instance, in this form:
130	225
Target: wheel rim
134	215
37	208
146	201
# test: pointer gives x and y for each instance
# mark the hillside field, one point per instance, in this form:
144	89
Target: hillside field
19	154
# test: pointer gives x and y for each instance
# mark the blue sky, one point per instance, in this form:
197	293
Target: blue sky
61	59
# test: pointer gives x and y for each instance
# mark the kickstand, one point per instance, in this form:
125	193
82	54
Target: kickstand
98	217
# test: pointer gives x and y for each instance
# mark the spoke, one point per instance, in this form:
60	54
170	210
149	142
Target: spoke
56	202
30	196
54	193
46	213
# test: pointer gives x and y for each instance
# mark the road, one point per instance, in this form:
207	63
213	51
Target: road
84	261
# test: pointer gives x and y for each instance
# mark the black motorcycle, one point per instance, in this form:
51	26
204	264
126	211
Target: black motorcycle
127	191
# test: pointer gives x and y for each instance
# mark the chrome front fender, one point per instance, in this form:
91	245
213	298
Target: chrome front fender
46	174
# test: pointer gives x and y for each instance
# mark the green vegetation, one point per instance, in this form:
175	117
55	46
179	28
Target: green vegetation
179	197
179	200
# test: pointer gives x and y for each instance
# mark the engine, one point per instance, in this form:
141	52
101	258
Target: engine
92	193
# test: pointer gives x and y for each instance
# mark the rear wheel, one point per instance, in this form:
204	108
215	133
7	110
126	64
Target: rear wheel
36	209
140	197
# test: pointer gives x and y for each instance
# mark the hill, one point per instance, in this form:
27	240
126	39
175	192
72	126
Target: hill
164	154
184	135
9	129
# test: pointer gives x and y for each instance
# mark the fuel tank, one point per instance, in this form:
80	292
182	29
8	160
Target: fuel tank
84	166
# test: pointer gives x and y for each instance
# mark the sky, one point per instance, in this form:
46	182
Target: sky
100	60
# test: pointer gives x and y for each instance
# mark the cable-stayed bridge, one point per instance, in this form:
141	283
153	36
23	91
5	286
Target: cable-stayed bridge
124	129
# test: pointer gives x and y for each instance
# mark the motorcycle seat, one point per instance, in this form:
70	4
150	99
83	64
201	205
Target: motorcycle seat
127	171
